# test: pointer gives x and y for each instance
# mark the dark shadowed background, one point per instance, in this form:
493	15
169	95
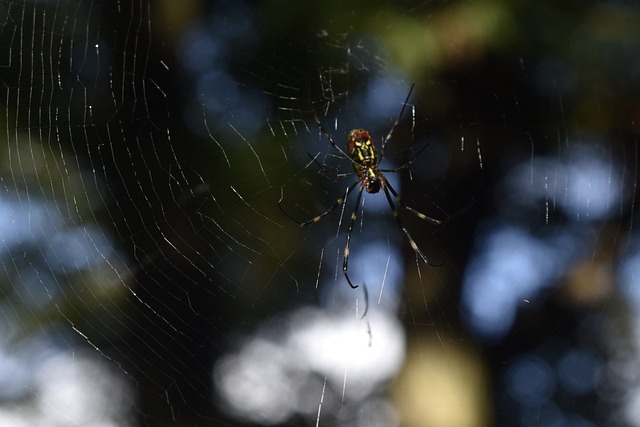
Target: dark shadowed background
156	154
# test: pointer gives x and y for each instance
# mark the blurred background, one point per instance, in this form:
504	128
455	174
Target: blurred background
158	154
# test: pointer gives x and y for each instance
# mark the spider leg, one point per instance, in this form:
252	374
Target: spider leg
326	171
396	215
317	218
408	163
393	128
328	136
354	216
366	300
410	209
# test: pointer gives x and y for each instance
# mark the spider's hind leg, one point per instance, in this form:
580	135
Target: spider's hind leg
396	215
417	213
354	216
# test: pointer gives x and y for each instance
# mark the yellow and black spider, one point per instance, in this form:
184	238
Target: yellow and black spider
362	154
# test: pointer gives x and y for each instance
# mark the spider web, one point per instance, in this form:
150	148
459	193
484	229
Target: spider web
151	278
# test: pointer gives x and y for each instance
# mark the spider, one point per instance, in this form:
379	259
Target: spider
361	152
